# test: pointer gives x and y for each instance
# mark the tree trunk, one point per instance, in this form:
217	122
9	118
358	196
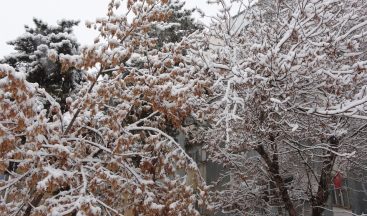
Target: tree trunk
273	168
317	211
322	195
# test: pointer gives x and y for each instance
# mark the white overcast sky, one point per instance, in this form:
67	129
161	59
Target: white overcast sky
17	13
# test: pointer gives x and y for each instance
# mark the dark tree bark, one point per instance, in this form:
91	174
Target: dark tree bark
273	168
322	195
34	203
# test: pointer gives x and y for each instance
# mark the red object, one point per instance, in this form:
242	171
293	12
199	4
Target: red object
338	181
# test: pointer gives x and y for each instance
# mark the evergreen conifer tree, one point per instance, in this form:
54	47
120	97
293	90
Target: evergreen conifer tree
33	52
182	24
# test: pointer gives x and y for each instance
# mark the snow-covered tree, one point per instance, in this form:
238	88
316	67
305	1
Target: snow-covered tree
181	25
31	56
284	102
109	153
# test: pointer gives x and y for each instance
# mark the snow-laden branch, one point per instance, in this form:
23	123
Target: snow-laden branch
178	146
15	180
